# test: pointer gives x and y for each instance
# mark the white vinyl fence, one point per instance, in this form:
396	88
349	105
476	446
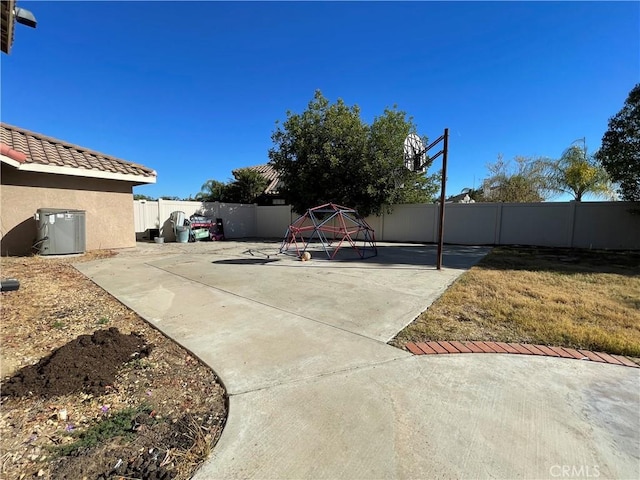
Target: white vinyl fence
610	225
238	220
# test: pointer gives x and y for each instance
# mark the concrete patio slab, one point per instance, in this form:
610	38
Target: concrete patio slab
262	321
375	297
314	392
463	416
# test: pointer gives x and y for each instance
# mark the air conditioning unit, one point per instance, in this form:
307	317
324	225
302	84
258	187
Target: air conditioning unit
60	231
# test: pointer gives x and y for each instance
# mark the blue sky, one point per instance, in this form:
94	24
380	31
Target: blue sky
193	89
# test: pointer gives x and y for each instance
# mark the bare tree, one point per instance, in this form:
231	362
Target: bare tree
523	179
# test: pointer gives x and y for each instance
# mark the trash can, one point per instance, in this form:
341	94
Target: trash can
182	234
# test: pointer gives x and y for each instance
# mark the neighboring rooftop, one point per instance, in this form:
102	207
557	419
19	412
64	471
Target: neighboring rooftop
30	151
267	171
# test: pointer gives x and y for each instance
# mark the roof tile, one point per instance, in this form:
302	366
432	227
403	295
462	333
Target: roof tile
271	175
44	150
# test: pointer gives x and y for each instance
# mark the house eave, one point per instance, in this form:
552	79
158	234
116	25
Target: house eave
79	172
8	25
10	161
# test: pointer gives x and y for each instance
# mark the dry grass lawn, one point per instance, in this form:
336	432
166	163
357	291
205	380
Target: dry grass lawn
569	298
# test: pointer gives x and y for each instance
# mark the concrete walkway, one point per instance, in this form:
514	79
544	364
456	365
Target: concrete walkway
315	391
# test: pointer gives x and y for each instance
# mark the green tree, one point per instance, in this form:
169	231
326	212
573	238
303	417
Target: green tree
138	196
393	182
620	151
524	180
246	187
579	174
328	154
420	189
212	191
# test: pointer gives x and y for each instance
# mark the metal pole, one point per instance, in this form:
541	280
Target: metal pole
445	151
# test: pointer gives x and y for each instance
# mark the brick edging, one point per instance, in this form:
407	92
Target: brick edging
441	348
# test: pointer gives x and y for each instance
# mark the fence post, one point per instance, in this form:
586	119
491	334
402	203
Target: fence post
160	222
156	221
255	220
572	221
498	230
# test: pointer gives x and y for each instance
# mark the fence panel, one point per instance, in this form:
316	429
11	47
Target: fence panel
543	224
561	224
377	223
409	223
145	215
239	220
273	221
614	225
471	226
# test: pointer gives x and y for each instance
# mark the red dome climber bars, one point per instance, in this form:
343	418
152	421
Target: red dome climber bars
332	226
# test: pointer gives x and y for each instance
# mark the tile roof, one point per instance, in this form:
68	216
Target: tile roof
271	175
42	150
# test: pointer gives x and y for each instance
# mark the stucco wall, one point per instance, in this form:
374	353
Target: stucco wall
107	203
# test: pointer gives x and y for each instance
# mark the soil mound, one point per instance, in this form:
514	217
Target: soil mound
87	364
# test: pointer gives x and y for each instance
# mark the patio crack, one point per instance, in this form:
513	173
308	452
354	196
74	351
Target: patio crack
320	375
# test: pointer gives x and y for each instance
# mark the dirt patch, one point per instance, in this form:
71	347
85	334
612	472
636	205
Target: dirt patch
90	390
136	459
87	364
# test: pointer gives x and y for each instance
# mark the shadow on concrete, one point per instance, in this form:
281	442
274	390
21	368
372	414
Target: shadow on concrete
389	255
246	261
